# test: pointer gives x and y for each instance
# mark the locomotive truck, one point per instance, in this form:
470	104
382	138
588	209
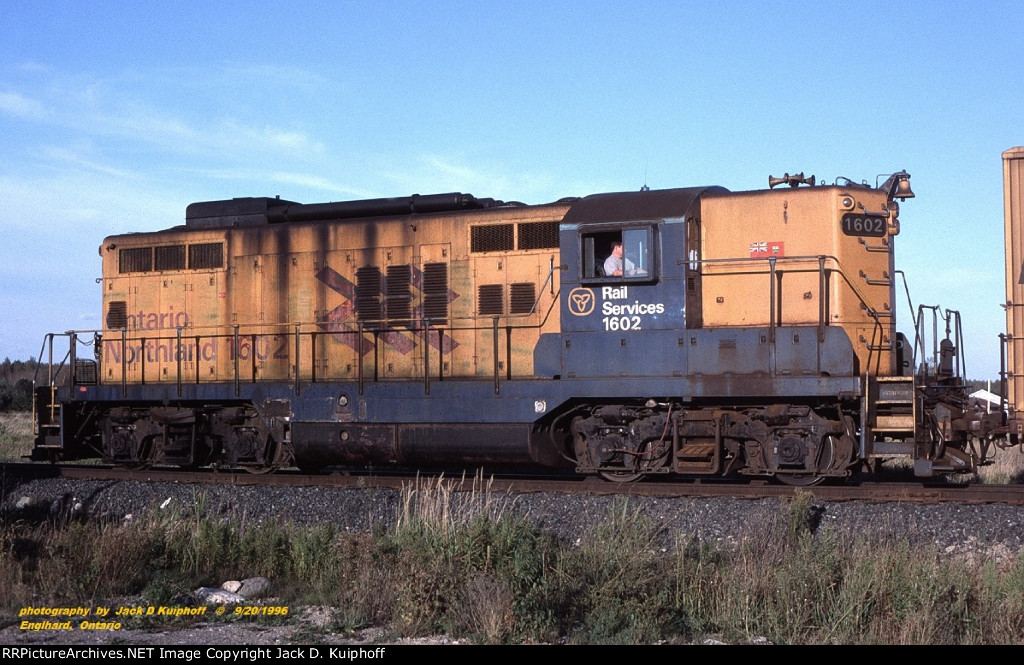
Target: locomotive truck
748	334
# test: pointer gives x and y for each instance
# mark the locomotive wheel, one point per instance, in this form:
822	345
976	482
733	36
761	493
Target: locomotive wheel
260	470
622	476
143	459
826	460
277	456
800	481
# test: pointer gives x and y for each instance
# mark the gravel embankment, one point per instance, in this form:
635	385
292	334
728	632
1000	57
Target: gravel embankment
994	531
951	527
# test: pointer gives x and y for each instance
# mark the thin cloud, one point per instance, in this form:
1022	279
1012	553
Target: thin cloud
33	67
319	183
497	180
18	105
113	109
289	141
71	158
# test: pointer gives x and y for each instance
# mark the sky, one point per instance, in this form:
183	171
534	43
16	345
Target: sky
114	116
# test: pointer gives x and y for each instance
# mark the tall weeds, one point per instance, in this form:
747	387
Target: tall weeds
458	560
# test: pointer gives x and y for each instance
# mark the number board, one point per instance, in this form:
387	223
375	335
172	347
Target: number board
854	224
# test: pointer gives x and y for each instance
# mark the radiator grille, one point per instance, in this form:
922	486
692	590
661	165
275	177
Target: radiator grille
538	235
136	259
494	238
169	257
206	256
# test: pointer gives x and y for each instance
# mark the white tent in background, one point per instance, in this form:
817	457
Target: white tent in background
988	398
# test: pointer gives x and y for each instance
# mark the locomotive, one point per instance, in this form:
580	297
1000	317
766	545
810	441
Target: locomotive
740	334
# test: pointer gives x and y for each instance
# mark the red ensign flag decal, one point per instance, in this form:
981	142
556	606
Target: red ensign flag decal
764	250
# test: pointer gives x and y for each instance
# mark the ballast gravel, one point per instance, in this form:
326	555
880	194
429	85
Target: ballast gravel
949	526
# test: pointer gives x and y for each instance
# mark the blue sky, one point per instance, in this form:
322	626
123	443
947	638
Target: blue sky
116	115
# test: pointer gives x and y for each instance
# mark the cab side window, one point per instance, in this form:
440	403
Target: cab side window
618	254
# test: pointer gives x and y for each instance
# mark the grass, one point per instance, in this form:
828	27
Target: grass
1007	468
461	564
15	435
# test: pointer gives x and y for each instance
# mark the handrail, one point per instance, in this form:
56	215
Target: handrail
748	266
1004	384
771	300
47	347
243	341
65	374
253	341
951	319
838	268
66	364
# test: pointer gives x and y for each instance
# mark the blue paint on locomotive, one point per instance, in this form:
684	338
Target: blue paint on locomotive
698	366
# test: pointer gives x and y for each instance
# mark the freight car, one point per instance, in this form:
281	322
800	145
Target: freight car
678	332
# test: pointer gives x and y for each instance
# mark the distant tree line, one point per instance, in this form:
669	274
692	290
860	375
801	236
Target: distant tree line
16	384
993	385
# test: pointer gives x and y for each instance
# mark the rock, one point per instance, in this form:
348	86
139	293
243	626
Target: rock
231	586
207	596
66	506
254	587
182	600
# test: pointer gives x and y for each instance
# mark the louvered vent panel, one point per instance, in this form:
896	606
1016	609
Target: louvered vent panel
399	294
117	314
368	283
522	297
435	293
489	299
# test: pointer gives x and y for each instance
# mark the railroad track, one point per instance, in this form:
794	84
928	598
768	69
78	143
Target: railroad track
916	492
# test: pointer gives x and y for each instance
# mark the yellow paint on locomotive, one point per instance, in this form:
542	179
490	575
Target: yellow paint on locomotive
742	231
331	299
148	297
343	299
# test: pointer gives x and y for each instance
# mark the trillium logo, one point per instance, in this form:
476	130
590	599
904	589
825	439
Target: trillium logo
581	301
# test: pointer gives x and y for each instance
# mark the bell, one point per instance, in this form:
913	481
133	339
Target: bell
903	190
